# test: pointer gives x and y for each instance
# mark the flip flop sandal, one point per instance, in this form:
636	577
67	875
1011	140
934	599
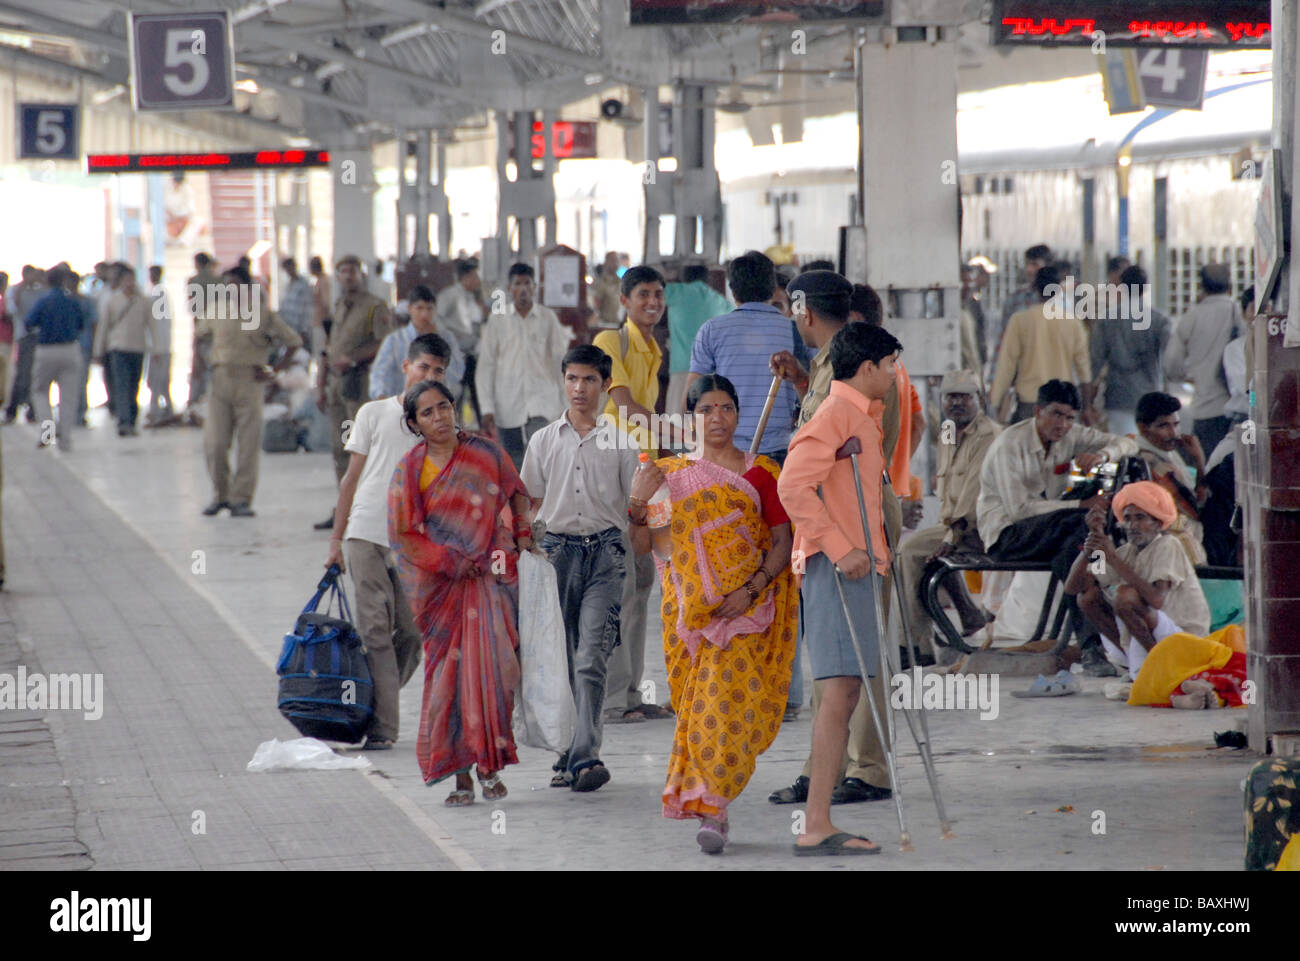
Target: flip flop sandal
560	779
833	846
459	798
491	784
591	778
648	712
1058	685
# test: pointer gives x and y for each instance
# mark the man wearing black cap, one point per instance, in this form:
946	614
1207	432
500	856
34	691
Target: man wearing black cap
361	321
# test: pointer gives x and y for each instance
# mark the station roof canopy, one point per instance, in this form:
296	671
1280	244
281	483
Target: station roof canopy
312	68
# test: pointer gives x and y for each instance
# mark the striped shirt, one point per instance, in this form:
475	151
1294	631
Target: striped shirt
739	346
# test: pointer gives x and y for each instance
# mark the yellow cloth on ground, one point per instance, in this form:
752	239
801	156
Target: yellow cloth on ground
1178	657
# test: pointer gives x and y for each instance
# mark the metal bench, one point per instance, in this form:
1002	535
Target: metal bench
959	562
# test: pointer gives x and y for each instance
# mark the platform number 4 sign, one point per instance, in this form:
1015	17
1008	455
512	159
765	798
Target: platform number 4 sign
1173	78
182	61
49	131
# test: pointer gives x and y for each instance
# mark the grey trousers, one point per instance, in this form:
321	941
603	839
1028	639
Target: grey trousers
61	364
627	665
386	627
589	574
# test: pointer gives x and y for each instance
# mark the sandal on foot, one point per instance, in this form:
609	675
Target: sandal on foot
711	838
560	779
833	846
460	798
591	778
648	712
490	786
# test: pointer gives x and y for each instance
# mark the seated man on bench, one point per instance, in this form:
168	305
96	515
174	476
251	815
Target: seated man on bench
964	439
1142	592
1020	511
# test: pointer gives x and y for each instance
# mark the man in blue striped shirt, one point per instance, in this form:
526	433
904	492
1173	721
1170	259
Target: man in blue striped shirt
739	344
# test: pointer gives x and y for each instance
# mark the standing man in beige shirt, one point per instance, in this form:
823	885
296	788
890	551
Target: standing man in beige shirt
360	323
1041	343
122	337
241	342
965	436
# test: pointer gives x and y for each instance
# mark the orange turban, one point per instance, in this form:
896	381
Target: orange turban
1149	497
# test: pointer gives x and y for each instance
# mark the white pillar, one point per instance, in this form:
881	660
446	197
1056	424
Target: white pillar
353	175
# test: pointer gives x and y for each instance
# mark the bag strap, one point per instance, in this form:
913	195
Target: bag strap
330	578
624	343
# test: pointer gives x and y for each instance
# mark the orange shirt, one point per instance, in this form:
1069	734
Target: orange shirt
909	418
832	522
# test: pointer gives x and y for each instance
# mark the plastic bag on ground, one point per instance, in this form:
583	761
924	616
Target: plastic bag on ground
301	754
544	713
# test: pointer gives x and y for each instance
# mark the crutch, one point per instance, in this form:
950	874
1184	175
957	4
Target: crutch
922	737
851	449
767	412
886	723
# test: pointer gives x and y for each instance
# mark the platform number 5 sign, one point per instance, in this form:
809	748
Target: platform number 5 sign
49	131
182	61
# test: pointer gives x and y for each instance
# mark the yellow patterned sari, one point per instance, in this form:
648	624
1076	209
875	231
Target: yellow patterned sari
728	677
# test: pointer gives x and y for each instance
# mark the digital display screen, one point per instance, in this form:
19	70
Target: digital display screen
669	12
112	163
570	139
1224	24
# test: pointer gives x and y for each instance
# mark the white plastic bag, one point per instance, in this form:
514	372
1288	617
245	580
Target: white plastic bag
544	713
301	754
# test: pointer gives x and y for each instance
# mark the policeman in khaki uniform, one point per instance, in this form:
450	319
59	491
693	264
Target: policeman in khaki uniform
238	357
361	321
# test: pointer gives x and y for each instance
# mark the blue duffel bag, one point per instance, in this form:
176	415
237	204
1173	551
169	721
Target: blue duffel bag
326	690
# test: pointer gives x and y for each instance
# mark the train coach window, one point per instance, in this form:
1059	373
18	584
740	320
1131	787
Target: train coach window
1007	184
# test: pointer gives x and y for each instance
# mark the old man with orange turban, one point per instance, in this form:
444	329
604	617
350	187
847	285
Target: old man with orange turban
1143	591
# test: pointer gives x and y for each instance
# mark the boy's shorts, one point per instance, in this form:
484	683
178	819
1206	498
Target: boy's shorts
826	632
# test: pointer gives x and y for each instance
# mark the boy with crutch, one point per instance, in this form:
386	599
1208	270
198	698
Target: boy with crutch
830	537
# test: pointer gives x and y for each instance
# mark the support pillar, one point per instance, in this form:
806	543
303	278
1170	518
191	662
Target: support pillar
1268	469
908	102
421	196
528	198
353	173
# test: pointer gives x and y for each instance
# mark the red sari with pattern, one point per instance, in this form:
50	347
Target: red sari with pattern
469	624
729	677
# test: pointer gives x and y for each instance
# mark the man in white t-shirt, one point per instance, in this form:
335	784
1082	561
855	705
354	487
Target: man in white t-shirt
1140	593
379	439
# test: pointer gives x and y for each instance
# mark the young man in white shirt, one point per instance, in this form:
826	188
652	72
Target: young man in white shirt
377	442
160	350
578	471
519	356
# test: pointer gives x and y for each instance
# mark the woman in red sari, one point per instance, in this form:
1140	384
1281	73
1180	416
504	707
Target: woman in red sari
457	562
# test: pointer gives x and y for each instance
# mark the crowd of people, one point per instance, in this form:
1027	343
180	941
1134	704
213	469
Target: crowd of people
465	437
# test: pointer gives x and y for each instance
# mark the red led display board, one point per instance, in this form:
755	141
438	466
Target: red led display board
569	139
1224	24
109	163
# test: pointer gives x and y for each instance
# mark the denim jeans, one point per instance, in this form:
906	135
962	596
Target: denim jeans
589	574
124	369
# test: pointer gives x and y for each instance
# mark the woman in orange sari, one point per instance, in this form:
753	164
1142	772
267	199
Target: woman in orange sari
730	608
457	563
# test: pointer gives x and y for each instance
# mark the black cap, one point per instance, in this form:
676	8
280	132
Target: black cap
824	291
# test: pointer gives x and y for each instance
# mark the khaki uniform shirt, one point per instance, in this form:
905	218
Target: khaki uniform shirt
820	377
360	320
959	474
235	346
